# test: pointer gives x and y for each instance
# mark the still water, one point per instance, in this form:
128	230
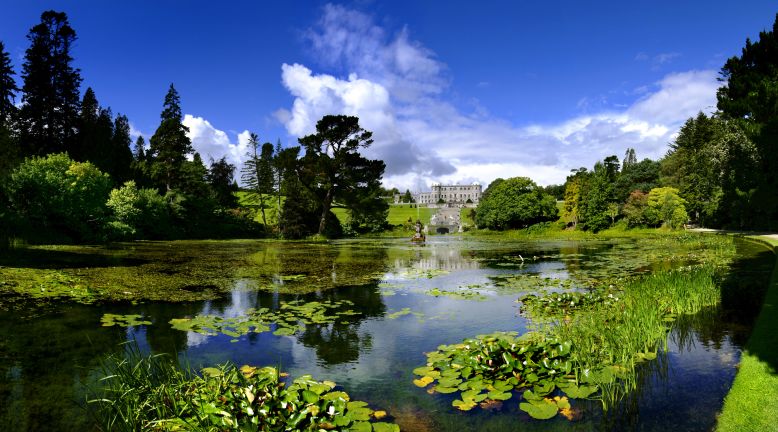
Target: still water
48	350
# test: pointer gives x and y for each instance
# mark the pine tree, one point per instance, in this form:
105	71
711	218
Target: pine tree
8	144
220	177
86	146
8	88
48	117
169	145
121	154
257	172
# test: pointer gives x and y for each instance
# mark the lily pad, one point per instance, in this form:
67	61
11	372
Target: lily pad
542	410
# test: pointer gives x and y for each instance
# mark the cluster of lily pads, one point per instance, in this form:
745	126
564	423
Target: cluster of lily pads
467	294
290	318
490	368
131	320
564	303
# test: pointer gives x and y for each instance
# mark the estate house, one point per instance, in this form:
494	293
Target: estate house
451	194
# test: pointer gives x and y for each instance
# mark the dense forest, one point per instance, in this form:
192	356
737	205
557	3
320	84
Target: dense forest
69	171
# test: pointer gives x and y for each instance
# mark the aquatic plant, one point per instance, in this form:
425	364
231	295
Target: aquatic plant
288	319
592	345
140	393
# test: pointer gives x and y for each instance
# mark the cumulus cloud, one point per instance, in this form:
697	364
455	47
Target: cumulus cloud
397	88
213	143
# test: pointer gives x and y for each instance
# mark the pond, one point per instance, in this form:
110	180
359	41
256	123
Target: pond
382	304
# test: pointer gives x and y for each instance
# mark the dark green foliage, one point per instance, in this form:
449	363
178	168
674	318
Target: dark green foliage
515	203
749	96
8	89
334	172
491	187
642	176
634	209
169	145
55	196
49	113
220	177
407	198
556	191
598	194
121	154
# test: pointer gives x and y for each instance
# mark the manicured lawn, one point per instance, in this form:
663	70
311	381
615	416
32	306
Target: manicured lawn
464	217
750	404
399	214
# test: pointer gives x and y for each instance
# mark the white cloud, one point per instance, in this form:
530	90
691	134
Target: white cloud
396	86
213	143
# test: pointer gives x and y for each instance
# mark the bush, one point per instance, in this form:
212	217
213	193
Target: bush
57	197
139	213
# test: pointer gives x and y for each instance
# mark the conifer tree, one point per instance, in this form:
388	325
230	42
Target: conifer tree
169	145
48	117
121	154
8	88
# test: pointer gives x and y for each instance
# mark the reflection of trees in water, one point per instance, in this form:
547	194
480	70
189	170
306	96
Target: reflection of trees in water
334	343
433	257
341	341
43	360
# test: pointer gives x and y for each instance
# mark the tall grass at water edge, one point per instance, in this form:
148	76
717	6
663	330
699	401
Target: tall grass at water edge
624	333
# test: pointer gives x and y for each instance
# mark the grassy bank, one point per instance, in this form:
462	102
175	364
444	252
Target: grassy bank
749	404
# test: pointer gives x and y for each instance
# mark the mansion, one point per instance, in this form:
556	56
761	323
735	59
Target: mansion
451	194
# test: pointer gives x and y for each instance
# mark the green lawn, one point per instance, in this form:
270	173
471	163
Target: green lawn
399	214
749	404
464	217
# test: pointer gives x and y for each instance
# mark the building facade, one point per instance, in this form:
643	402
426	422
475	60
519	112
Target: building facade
464	195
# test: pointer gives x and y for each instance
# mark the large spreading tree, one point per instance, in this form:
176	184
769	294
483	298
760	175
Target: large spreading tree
50	101
337	175
515	203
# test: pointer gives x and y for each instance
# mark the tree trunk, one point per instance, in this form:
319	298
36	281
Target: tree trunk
325	211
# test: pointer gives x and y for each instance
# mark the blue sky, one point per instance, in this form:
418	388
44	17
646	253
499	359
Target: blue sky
455	91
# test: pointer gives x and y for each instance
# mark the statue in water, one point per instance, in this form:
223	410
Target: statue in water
418	236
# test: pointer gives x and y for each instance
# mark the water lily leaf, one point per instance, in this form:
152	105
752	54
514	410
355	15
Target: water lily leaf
385	427
562	402
529	396
542	411
579	392
423	381
310	396
378	415
497	395
463	405
284	331
361	427
445	390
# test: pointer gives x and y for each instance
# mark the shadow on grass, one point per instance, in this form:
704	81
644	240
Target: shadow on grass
749	293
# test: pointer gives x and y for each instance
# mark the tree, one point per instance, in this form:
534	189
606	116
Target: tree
333	170
749	97
598	193
667	207
642	176
257	174
634	209
169	145
575	188
515	203
8	145
8	89
50	101
220	177
613	212
408	198
121	154
629	159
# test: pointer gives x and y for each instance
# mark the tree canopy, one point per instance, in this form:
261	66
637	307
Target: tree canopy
515	203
